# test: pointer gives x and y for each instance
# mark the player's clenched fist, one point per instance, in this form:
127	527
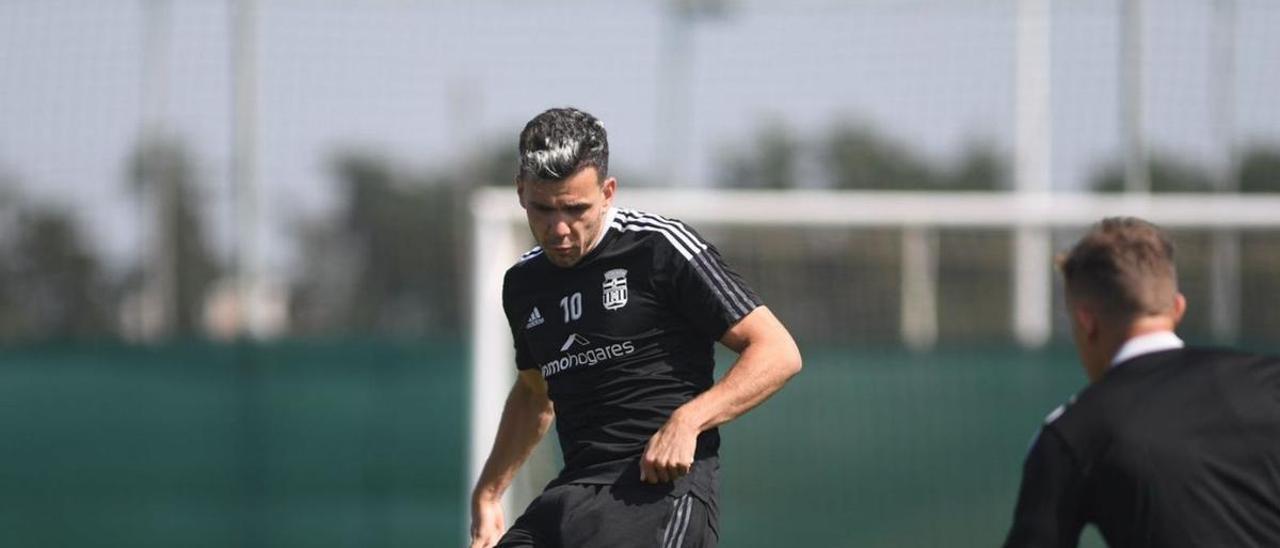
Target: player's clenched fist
669	455
486	523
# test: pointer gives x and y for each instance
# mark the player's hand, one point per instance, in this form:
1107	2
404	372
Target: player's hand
486	522
669	455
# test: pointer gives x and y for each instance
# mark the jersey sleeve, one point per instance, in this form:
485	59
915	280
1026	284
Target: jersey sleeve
523	358
704	290
1048	512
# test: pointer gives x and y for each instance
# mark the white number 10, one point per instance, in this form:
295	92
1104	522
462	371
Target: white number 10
572	306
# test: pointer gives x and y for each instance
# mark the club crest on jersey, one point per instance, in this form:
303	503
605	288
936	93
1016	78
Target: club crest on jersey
615	289
535	319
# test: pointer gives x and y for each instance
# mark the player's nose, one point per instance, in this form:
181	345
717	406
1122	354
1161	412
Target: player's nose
560	228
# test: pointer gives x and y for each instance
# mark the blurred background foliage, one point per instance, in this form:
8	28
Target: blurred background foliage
392	256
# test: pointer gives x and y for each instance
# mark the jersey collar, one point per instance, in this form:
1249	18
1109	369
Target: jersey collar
609	214
1146	344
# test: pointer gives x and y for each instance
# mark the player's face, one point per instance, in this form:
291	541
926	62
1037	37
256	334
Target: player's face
565	216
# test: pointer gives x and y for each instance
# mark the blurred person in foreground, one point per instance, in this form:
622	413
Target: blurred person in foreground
1168	446
614	316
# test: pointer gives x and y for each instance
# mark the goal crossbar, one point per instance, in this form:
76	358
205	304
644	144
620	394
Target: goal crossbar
943	210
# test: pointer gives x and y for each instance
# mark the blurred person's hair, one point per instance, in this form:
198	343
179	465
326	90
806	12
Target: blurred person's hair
1124	265
557	143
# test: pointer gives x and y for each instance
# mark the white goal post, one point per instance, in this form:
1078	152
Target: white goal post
500	234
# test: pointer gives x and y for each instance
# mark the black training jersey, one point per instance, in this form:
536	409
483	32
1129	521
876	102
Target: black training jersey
623	337
1173	448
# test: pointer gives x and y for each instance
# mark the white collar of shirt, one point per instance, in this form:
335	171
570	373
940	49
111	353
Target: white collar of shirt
1146	344
604	226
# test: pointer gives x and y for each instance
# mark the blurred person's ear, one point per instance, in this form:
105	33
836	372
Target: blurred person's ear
1086	331
1179	308
520	192
1087	322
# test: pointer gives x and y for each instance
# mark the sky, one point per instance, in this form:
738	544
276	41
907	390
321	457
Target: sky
425	82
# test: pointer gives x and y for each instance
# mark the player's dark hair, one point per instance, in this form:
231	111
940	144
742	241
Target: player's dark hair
557	143
1125	266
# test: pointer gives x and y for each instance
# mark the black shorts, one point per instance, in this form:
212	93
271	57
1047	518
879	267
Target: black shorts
623	515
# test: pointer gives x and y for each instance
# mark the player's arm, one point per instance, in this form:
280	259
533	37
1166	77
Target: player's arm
525	419
1047	514
767	358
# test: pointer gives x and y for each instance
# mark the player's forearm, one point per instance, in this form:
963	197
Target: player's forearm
525	419
760	371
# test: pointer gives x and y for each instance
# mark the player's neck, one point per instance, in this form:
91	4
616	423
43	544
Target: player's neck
605	219
1147	325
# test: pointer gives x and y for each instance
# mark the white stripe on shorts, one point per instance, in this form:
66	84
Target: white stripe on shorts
679	523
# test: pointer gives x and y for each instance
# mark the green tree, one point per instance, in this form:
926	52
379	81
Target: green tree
493	165
51	284
164	168
856	157
389	260
980	168
1167	175
1260	170
771	161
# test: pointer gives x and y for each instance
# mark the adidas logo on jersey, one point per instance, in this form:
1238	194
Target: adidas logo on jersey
535	319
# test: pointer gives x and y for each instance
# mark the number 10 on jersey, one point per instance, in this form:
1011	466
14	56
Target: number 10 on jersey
572	307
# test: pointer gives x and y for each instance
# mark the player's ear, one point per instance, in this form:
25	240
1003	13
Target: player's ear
520	192
609	186
1086	322
1179	307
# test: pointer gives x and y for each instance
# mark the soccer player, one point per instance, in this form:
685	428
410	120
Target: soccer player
1168	446
614	316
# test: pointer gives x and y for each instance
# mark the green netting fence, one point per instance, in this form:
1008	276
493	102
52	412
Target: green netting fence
361	444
